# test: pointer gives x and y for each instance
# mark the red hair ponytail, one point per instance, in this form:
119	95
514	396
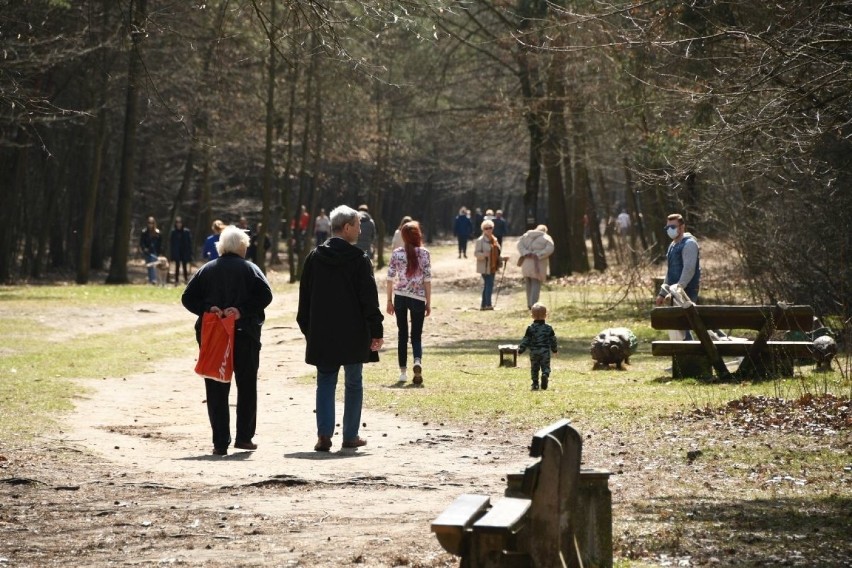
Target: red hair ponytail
412	238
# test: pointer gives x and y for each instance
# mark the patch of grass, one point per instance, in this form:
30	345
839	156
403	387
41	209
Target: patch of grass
36	371
463	382
68	296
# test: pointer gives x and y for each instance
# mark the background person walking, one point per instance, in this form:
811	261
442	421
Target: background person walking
409	290
534	248
463	229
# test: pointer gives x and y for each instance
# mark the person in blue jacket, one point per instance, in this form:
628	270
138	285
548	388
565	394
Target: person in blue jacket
463	229
209	251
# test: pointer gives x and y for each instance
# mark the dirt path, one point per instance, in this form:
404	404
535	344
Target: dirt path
144	489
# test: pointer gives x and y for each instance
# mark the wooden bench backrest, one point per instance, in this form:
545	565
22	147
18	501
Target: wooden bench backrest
736	317
554	496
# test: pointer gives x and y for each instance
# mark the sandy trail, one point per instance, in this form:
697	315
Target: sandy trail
151	429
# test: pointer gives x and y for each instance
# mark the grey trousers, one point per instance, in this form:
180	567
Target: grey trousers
533	286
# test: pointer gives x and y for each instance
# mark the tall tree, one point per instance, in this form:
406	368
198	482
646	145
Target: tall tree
137	14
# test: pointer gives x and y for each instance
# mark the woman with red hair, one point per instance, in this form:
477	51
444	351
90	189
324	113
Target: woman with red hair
409	288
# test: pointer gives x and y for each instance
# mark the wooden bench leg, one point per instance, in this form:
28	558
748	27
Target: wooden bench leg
594	519
505	352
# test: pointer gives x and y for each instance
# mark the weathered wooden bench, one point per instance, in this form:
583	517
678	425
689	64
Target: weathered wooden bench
508	355
762	357
553	514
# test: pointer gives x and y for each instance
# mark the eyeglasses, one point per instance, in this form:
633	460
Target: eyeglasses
488	229
667	227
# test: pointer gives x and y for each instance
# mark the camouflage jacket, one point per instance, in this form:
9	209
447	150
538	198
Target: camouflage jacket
539	339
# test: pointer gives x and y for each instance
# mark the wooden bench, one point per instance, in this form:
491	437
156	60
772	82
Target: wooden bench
761	357
553	513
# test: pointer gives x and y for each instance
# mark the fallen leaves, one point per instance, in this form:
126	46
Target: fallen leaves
815	415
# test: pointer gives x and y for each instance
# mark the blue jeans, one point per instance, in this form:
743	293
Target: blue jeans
353	397
152	270
402	305
487	289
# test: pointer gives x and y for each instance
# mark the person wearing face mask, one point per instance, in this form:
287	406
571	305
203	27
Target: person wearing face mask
684	267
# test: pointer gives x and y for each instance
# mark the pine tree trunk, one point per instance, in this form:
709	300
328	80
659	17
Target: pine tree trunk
121	238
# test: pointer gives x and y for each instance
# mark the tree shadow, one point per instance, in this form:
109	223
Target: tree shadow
753	532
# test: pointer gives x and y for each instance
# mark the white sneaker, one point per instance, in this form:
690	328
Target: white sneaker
402	377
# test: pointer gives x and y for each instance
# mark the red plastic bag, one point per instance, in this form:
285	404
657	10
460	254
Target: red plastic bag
216	356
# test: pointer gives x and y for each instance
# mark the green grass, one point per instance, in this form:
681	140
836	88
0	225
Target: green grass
464	383
36	370
94	294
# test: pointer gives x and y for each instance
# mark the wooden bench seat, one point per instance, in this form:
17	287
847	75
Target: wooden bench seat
452	524
507	516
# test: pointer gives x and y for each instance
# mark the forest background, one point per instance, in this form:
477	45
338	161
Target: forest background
735	113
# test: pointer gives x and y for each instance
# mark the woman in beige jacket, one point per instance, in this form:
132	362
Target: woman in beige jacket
534	248
487	252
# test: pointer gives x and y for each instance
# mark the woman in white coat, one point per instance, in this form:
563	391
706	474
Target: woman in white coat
534	248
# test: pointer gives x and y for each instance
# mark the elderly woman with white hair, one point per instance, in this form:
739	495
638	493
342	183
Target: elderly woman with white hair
231	285
534	248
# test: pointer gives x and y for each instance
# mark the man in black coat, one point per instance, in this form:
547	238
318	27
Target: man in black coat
230	285
339	316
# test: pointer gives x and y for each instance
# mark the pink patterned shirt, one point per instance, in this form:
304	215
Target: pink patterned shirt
412	287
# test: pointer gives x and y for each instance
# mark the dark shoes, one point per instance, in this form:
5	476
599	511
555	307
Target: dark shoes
486	308
355	442
220	451
418	375
544	384
245	445
323	444
534	386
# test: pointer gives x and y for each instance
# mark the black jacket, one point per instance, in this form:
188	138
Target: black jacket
230	281
339	311
180	245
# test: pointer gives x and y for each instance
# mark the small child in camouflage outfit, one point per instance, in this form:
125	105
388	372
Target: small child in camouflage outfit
540	339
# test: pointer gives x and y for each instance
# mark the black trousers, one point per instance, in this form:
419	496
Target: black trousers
178	264
246	363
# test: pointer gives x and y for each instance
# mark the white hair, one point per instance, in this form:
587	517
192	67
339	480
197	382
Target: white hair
232	240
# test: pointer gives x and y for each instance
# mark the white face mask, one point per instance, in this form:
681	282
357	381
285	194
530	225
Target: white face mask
671	232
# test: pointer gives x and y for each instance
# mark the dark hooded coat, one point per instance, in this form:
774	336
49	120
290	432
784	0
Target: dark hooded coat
339	311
